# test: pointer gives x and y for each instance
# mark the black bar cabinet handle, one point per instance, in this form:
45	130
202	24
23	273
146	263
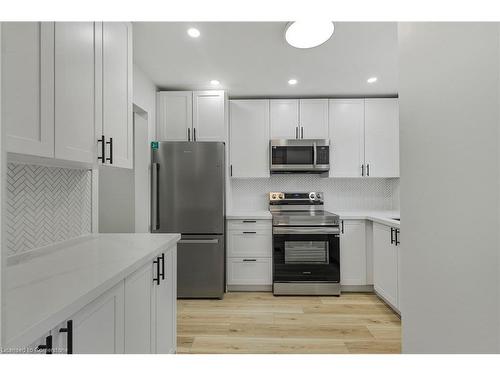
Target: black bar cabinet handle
249	232
48	345
249	221
194	134
189	134
157	278
296	132
362	169
368	169
110	143
392	236
162	257
249	260
342	226
396	241
69	331
103	149
302	132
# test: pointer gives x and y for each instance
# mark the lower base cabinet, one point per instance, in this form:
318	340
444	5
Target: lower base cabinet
136	316
385	265
353	253
249	271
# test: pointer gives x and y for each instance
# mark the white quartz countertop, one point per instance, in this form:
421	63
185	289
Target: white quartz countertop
42	291
252	215
382	216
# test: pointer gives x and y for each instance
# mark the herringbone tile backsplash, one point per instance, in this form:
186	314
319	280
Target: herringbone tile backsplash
46	205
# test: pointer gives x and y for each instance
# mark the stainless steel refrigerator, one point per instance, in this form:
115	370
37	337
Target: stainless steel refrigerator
187	197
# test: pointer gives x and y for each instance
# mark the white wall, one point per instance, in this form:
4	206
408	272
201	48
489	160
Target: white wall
145	98
449	100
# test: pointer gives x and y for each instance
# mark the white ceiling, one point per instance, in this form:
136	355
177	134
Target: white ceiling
252	59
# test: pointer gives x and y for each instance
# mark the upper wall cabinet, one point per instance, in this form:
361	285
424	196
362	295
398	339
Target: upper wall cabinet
66	84
284	118
313	118
74	91
117	125
28	87
382	137
249	142
299	118
347	152
174	115
364	136
191	116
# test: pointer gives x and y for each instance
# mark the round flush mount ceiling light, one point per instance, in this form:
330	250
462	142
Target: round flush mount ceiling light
292	81
214	82
372	80
308	34
193	32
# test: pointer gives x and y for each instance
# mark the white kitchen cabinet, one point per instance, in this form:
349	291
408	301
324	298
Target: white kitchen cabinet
28	87
99	326
209	117
353	252
313	120
174	115
117	125
382	137
284	118
249	271
249	142
165	307
139	303
74	91
385	264
252	243
347	146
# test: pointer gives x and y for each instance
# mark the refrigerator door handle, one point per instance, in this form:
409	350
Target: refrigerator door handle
154	196
199	241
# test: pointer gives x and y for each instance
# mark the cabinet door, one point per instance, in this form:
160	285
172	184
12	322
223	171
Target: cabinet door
249	243
249	122
174	115
74	91
382	137
117	90
347	151
99	327
166	307
284	118
313	118
139	327
28	87
353	253
385	264
209	117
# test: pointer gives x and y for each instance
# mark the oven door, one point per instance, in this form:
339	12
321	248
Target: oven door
306	254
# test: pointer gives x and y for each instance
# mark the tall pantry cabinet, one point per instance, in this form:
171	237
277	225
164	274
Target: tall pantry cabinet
69	84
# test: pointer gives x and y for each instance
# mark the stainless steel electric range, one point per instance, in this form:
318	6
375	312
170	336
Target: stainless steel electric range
306	249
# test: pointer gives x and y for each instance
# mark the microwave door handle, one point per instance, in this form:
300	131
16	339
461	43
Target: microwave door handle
315	153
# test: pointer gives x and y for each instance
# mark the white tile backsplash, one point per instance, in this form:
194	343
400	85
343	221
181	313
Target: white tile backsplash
340	193
46	205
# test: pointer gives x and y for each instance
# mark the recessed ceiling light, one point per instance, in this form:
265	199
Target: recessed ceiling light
292	81
193	33
372	79
308	34
214	82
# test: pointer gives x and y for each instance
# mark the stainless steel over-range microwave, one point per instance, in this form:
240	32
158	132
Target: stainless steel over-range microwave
299	155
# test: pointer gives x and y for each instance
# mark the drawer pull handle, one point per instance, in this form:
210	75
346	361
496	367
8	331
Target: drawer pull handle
249	221
249	232
249	260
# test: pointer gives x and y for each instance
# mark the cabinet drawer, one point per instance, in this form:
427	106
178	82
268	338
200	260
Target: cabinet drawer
249	271
249	243
248	225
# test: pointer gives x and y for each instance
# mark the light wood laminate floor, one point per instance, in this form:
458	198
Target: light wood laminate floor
250	322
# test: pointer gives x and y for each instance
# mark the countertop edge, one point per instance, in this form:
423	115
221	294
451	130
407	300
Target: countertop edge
46	324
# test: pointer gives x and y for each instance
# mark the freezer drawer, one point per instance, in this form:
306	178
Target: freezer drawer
200	266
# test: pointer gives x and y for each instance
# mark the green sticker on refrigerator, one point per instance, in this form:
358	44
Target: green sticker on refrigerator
154	145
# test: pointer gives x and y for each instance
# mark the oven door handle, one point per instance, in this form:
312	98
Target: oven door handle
306	230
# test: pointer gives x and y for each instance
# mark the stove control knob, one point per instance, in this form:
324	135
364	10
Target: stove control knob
312	196
318	196
274	196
